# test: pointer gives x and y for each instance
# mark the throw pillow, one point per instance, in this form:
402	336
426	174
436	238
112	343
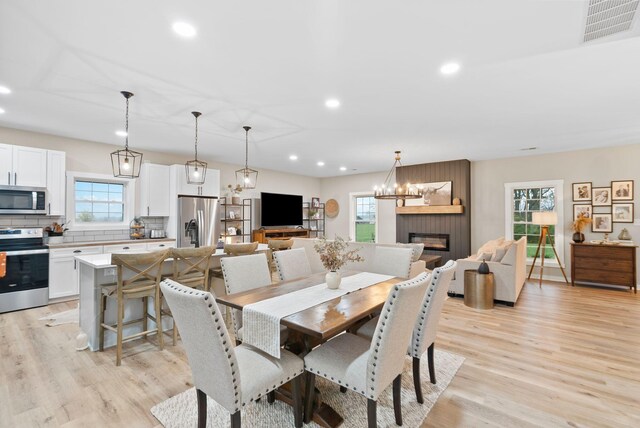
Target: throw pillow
485	256
510	256
490	246
416	250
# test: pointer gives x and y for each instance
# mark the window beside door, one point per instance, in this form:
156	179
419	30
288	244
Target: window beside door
365	219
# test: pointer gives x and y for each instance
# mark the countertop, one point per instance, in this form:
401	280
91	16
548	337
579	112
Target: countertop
100	243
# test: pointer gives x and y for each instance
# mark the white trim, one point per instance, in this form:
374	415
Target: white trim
352	213
508	215
129	200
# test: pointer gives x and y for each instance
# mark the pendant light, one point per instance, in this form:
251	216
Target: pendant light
196	170
126	163
247	177
402	192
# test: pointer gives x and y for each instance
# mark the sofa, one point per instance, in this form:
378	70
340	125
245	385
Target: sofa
366	250
507	261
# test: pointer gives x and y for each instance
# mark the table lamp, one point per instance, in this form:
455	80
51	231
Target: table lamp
545	219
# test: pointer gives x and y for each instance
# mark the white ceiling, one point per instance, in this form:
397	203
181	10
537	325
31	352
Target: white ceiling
526	78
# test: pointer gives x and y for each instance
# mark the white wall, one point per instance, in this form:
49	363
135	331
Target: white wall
599	166
338	188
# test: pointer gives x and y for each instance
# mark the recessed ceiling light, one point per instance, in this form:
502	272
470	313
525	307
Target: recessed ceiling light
450	68
343	168
332	103
1	110
183	29
4	90
527	149
293	157
121	133
320	163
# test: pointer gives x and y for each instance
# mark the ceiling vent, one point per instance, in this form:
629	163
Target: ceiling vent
608	17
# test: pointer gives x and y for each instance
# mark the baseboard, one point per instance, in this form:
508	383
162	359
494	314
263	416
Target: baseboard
498	302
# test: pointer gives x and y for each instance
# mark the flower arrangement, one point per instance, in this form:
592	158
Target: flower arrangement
234	190
580	223
334	254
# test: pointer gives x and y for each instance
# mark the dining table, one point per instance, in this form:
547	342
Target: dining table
318	323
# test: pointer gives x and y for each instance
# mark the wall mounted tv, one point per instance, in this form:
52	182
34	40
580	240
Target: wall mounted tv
278	209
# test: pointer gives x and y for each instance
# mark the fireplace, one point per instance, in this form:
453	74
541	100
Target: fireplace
431	241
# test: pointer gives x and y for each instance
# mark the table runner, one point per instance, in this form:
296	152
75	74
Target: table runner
261	320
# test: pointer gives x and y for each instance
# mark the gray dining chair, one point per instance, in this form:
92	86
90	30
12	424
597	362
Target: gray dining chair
394	261
368	366
243	273
426	324
292	264
233	377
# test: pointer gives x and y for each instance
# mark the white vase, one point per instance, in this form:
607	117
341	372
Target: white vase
333	279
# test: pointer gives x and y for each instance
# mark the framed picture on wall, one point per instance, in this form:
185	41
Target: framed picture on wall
582	192
601	196
622	190
315	202
622	213
602	223
585	210
438	193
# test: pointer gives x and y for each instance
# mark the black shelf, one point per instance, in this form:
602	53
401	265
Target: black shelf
318	221
244	210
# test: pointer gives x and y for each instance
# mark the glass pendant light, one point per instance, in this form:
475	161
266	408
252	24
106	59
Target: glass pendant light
247	177
126	163
392	191
196	170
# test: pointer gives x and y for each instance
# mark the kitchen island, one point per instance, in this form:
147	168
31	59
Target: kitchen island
96	270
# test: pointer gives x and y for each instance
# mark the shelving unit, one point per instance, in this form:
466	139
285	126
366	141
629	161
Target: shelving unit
316	224
240	219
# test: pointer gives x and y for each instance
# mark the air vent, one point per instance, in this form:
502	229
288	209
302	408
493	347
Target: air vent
608	17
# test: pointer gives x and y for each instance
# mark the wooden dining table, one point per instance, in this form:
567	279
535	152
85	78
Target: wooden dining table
317	324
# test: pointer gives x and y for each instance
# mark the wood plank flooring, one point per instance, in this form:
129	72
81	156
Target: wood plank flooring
562	357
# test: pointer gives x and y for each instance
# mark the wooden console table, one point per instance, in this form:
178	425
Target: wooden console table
263	236
604	264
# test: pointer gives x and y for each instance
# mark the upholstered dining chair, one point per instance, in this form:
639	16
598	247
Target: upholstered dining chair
138	277
190	268
369	366
394	261
292	264
426	325
233	377
245	273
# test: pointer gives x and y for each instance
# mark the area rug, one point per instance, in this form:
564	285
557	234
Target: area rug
66	317
181	410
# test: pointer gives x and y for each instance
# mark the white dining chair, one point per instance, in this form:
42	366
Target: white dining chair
233	377
394	261
292	264
368	366
243	273
426	324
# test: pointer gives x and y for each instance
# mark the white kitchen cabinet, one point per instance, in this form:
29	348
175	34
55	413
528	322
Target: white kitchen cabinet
125	248
23	166
63	270
211	186
56	182
156	246
154	190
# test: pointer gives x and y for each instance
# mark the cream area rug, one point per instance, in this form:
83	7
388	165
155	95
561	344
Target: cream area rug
67	317
181	410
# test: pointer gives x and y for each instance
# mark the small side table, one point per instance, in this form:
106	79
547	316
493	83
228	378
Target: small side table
478	289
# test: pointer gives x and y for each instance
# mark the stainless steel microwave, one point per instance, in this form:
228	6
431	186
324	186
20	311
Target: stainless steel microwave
22	200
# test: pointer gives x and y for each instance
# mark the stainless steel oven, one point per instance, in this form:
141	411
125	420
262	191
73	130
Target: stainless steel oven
22	200
26	280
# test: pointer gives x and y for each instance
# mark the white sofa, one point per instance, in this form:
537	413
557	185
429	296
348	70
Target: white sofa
367	251
509	272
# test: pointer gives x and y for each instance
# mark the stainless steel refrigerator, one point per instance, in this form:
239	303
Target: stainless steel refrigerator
198	221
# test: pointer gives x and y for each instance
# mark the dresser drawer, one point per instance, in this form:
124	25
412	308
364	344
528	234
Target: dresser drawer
604	252
606	264
604	276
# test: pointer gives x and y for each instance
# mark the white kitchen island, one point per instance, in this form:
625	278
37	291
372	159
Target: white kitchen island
96	270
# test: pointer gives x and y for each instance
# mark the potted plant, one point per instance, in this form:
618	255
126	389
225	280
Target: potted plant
234	193
333	255
578	226
312	213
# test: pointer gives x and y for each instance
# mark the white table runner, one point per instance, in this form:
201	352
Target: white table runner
261	320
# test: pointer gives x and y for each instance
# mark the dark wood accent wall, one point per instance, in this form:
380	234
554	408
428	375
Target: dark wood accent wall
458	226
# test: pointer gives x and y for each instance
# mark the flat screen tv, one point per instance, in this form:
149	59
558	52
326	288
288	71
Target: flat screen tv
278	209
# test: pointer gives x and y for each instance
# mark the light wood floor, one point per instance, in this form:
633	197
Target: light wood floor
562	357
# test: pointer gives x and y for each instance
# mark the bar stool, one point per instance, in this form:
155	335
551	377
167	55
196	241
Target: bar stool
143	273
191	269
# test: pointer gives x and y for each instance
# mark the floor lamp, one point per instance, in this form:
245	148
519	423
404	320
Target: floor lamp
545	219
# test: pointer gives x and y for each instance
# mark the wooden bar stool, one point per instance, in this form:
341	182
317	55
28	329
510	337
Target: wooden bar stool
191	269
143	273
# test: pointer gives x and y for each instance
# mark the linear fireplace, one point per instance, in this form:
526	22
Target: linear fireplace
431	241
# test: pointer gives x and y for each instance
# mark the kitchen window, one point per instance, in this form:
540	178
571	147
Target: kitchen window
364	212
97	201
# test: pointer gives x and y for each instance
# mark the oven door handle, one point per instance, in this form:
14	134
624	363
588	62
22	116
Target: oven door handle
26	252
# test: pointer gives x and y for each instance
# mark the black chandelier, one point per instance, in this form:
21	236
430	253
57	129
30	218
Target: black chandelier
247	177
196	170
126	163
